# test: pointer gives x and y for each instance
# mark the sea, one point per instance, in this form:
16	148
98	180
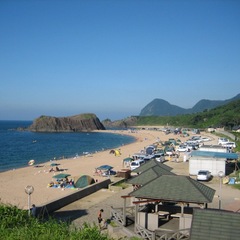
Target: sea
17	148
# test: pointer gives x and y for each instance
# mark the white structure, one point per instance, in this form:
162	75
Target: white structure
214	165
213	148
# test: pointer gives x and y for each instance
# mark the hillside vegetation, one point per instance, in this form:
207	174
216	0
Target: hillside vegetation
160	107
224	116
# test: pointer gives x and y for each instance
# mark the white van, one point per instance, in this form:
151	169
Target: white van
135	164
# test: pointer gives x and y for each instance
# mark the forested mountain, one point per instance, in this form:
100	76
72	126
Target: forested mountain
160	107
226	116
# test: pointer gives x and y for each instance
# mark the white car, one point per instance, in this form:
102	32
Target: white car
205	139
159	157
135	164
203	175
229	145
222	141
183	148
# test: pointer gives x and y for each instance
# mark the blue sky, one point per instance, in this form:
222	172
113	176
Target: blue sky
112	57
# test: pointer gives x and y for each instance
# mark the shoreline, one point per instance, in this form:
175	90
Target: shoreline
19	148
13	182
78	155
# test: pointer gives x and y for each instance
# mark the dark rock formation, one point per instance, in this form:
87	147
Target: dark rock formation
125	123
78	123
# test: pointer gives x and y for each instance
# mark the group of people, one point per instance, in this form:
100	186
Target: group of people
61	183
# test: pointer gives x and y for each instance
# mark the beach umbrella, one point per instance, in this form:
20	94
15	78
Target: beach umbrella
128	159
31	162
105	168
61	175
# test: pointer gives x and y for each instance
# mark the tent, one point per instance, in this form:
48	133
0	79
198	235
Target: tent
105	168
149	150
116	152
61	175
128	159
84	181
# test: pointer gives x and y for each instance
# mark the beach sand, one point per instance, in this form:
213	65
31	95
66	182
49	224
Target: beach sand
14	182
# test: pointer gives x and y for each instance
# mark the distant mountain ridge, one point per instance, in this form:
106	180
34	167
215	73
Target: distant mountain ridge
160	107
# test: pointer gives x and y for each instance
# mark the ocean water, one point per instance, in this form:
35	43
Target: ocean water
18	147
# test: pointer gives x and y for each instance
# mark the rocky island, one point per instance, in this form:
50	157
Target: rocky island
78	123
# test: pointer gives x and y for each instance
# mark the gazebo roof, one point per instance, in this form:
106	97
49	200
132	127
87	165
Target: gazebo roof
151	164
214	224
149	175
175	188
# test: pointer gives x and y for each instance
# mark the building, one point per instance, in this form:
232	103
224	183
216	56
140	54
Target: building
211	161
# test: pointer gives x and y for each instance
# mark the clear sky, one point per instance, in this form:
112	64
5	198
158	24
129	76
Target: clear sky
113	57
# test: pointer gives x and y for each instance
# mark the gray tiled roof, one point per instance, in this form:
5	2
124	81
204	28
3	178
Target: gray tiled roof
151	164
149	175
175	188
215	225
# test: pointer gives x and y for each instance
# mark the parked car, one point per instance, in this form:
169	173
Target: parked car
137	163
159	157
203	175
108	173
169	151
183	148
194	146
205	139
148	158
229	145
222	141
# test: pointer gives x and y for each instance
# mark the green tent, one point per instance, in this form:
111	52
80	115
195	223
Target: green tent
61	175
84	181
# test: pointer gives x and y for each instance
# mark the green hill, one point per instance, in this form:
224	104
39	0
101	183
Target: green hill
160	107
224	116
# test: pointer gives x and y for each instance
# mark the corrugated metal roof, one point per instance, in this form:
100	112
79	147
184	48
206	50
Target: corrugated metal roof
215	154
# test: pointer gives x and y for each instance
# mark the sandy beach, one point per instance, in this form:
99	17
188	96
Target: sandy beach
13	183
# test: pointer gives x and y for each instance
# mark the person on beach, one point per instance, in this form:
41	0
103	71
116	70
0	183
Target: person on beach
100	219
34	210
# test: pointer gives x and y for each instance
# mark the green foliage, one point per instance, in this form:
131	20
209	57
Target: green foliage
16	224
225	116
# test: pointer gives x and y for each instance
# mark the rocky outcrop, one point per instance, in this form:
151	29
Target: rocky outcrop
78	123
125	123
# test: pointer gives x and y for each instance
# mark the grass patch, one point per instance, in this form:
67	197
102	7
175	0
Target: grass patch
16	224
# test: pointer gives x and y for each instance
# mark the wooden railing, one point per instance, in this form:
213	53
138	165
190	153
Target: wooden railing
172	235
144	233
162	234
117	215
